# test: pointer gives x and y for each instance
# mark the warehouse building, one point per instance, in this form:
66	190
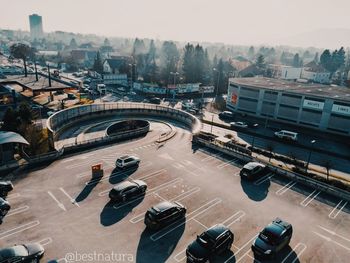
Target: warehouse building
318	106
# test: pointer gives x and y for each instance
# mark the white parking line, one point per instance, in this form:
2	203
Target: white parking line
13	196
178	165
19	229
332	214
333	233
286	188
309	198
235	218
264	178
18	210
209	158
158	235
45	242
195	220
299	246
331	240
60	205
223	165
240	249
237	174
185	194
69	197
150	175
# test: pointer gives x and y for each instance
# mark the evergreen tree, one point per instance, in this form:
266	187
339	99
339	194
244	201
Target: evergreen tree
169	58
187	65
73	44
296	61
98	65
22	51
326	59
251	52
260	61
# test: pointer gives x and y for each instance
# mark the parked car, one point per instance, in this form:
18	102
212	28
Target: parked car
155	100
127	190
4	208
163	214
5	188
252	125
288	135
127	161
239	124
226	115
32	252
215	240
274	238
252	170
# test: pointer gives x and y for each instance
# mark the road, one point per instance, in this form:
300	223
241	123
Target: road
70	214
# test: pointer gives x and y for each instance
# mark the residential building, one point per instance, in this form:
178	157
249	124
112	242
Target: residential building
316	73
116	63
36	27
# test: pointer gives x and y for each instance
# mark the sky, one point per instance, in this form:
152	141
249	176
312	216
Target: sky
228	21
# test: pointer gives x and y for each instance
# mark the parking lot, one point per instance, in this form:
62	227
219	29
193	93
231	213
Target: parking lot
69	213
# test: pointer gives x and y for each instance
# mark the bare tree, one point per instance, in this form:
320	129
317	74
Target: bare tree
270	147
328	165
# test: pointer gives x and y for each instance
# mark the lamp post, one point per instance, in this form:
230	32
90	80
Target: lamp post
174	74
217	81
309	157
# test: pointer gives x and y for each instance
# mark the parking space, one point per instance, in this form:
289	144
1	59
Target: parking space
67	211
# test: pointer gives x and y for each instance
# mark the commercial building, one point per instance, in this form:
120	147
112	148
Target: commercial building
318	106
36	26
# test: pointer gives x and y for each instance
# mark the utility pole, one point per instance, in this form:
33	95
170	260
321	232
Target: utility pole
48	70
36	71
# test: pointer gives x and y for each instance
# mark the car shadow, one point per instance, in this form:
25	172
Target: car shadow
254	190
227	255
158	251
113	212
118	174
89	186
287	255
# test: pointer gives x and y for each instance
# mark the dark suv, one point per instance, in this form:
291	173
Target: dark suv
252	170
275	237
215	240
127	190
226	115
5	188
4	208
163	214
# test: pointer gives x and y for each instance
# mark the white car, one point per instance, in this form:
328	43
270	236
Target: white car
127	161
239	124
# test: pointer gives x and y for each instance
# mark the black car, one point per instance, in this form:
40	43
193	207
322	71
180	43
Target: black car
5	188
275	237
127	190
163	214
32	252
4	208
215	240
226	115
252	170
155	100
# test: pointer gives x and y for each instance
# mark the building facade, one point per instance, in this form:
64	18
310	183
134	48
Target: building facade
36	27
317	106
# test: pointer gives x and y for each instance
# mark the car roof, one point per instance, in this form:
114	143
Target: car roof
9	252
123	185
252	165
126	156
163	206
275	229
215	231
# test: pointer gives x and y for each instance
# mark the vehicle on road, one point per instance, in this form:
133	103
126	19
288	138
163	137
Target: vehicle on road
163	214
272	239
155	100
252	170
4	208
127	161
215	240
288	135
5	188
226	115
127	190
32	252
239	124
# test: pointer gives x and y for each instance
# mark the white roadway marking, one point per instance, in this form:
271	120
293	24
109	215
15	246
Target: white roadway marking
60	205
158	235
224	164
19	229
204	226
208	158
185	194
331	240
69	197
332	215
286	188
150	175
45	241
240	249
296	248
13	196
334	233
264	178
18	210
237	174
309	198
150	192
239	213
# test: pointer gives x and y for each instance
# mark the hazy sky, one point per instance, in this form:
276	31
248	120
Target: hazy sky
229	21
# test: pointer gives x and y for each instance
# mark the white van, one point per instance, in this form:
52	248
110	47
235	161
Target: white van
283	134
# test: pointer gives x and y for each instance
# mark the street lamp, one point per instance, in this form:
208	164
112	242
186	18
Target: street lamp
217	81
174	74
309	157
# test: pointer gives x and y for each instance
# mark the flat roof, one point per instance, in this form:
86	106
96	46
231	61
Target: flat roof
313	89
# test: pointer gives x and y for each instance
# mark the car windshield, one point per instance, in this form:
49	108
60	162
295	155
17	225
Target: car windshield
205	240
16	251
268	236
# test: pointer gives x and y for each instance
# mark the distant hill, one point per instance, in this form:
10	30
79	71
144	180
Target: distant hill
321	38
